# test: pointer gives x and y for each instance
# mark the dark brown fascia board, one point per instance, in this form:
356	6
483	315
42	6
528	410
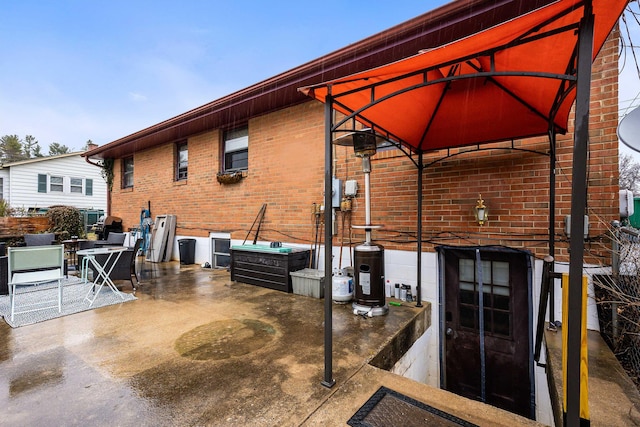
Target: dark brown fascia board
442	25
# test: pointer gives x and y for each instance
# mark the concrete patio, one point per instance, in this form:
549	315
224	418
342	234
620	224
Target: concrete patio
198	349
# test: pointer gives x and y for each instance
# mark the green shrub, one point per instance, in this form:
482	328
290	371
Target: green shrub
66	221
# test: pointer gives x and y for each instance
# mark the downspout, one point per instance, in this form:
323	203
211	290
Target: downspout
552	218
88	160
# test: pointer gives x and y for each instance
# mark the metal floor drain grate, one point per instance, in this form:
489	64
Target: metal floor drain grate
389	408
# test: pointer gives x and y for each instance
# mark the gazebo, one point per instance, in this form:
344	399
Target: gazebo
515	80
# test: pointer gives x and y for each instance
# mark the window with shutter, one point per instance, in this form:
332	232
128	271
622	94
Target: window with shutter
42	183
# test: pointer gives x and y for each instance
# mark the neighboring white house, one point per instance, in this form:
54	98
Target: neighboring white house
67	179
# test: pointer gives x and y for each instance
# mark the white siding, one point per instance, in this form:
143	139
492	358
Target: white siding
22	191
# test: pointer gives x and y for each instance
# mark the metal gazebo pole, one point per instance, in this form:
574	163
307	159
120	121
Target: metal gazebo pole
328	246
419	232
552	216
578	203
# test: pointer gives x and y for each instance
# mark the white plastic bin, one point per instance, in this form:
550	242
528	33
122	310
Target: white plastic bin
308	282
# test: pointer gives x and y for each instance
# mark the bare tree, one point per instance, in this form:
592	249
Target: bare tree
629	173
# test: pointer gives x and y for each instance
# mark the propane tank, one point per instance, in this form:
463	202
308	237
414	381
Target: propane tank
342	288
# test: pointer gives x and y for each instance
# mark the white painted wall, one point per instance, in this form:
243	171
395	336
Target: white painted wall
592	310
412	364
203	246
22	189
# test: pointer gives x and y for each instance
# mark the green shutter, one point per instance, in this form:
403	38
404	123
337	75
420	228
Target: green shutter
88	187
42	183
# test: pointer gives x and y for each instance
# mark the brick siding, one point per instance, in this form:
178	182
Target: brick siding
286	171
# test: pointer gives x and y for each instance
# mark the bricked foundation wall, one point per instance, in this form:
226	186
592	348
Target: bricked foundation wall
286	167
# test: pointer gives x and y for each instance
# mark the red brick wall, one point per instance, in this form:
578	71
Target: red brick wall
514	185
286	164
286	167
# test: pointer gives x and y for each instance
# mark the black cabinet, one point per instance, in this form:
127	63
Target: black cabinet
267	268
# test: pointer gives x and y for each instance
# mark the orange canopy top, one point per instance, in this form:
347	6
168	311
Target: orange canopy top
514	80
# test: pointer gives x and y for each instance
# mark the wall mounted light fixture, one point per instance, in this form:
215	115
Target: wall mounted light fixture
481	211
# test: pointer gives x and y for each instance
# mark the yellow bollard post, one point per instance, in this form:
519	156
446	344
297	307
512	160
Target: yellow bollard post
584	364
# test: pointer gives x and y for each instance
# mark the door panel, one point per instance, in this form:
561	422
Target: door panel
505	283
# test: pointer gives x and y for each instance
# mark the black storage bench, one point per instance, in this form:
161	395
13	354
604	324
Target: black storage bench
262	265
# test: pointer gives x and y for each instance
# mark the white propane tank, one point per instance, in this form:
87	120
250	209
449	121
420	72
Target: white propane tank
342	288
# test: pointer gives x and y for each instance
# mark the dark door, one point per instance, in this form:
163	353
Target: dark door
496	370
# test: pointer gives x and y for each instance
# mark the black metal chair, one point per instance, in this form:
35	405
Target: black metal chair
40	239
125	267
113	239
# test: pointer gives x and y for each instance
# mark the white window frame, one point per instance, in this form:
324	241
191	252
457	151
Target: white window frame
127	175
56	187
76	184
182	161
213	237
236	141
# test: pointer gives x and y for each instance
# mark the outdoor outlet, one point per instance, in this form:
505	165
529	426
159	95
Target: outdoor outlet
567	226
351	188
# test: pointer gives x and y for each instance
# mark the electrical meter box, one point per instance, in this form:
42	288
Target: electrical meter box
336	192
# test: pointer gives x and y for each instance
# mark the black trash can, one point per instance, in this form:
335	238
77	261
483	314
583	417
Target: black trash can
187	248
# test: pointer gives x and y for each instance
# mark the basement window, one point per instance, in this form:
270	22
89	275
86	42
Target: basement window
220	250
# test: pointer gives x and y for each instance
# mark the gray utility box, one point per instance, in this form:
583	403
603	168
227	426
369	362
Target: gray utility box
308	282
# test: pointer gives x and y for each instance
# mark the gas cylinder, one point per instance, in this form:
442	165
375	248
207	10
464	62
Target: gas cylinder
342	288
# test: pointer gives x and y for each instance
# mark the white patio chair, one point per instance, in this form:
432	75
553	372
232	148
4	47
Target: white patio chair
32	268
